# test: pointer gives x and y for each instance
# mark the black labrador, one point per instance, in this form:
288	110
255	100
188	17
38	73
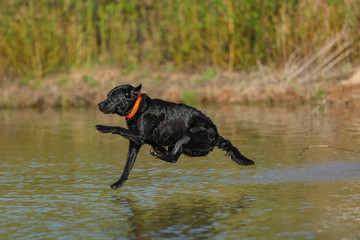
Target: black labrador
171	129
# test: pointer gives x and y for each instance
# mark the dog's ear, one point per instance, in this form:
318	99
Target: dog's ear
134	91
137	89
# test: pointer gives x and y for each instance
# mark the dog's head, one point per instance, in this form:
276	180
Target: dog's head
120	100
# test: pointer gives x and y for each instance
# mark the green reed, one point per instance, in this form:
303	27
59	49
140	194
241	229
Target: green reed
45	36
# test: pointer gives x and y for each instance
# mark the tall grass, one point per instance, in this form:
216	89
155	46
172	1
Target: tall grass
44	36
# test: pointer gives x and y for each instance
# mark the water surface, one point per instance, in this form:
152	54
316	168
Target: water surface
56	171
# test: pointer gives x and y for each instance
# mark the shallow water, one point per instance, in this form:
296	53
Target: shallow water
56	171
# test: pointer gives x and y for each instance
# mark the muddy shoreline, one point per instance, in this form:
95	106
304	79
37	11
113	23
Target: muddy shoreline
82	88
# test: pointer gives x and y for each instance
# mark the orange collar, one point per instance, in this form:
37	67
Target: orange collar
135	108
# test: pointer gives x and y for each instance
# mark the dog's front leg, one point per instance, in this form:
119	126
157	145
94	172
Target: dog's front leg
131	157
122	132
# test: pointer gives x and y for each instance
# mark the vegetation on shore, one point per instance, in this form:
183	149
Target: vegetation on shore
41	37
87	87
302	40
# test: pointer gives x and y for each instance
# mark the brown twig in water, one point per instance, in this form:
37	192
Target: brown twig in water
325	146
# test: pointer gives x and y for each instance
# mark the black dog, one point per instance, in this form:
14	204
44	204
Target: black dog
180	128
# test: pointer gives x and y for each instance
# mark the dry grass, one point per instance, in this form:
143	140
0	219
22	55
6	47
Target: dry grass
83	88
331	53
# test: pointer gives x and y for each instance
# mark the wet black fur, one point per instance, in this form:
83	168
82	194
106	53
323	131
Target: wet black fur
171	129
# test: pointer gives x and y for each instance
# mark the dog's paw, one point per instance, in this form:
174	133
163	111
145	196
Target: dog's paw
102	129
153	152
116	185
158	152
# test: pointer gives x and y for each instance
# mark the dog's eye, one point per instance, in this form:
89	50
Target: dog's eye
127	94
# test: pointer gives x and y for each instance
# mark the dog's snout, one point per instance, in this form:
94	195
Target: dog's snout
105	107
101	105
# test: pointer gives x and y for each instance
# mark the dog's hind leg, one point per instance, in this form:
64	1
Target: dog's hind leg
175	153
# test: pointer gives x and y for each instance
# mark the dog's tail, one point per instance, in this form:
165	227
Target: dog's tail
233	152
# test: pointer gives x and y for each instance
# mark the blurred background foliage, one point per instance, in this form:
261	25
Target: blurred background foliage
46	36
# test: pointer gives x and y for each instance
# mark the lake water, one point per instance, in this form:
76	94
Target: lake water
56	170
